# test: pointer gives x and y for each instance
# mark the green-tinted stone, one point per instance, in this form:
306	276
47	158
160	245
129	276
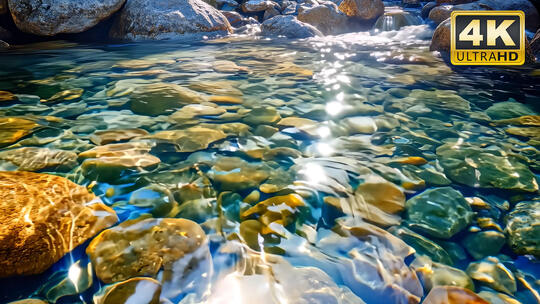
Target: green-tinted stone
484	243
523	228
491	272
439	212
483	168
161	98
422	245
508	109
137	290
262	116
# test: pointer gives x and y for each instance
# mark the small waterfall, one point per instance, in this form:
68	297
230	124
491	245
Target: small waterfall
395	18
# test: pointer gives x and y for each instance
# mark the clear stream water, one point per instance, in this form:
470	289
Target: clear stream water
376	109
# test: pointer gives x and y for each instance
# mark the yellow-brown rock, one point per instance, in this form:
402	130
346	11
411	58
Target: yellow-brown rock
44	217
453	295
143	247
7	96
527	120
145	290
190	139
14	128
66	95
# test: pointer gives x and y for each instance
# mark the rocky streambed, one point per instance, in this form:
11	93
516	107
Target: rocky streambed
262	152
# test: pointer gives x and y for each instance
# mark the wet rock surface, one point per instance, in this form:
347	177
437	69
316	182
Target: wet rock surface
43	218
143	20
62	16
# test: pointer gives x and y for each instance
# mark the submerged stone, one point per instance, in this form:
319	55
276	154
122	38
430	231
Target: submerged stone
523	228
484	243
191	139
66	95
145	248
35	159
508	110
44	217
137	290
494	274
453	295
422	245
259	116
235	174
439	212
14	128
485	168
6	97
161	98
109	162
435	274
118	135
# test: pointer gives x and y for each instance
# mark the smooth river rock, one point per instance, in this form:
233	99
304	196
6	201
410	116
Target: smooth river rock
52	17
167	19
144	247
439	212
44	217
523	228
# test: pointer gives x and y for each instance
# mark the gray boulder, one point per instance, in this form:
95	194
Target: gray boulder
289	27
49	18
168	19
326	17
3	44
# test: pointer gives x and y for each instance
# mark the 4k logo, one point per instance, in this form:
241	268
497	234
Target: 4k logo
487	38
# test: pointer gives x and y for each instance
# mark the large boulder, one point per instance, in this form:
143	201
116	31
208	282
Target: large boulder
42	218
48	18
362	9
253	6
289	27
441	38
326	17
166	19
532	17
443	12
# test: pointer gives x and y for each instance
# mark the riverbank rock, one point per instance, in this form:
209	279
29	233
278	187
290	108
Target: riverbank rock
363	10
289	27
523	228
532	17
439	212
144	247
440	13
3	45
60	17
44	217
440	41
173	19
326	17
